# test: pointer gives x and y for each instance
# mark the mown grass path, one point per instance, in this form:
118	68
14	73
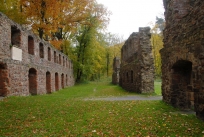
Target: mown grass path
69	113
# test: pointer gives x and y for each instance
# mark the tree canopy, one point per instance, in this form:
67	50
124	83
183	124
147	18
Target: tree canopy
76	28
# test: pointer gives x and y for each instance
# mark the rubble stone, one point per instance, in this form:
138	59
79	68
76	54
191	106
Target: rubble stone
34	73
137	65
183	55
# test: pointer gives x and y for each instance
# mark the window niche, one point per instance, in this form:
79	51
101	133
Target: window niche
55	57
41	50
127	77
132	76
49	54
63	61
59	59
30	45
15	37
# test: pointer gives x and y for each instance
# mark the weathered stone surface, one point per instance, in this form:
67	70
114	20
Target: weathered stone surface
137	65
183	54
116	70
31	75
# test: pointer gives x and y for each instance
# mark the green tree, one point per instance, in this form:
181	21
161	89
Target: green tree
88	49
13	10
157	43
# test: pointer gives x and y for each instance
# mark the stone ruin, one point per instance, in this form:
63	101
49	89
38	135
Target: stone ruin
137	64
28	64
183	55
116	70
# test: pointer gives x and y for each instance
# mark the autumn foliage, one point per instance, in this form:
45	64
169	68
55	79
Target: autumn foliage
76	27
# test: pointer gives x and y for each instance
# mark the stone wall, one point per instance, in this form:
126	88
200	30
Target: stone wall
183	55
137	65
28	64
116	70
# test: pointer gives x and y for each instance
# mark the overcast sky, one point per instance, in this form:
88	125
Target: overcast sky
128	15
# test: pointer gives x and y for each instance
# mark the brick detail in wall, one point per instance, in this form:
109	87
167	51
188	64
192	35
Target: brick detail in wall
137	65
36	68
183	55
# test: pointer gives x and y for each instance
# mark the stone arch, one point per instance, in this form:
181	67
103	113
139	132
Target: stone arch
4	80
41	50
180	83
15	36
30	45
56	81
48	82
32	76
62	80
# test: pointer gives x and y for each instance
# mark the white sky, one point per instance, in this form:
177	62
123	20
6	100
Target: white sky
128	15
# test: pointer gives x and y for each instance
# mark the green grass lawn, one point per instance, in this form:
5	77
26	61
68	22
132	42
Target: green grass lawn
157	87
66	113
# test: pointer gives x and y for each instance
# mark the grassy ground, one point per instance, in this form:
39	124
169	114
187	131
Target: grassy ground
157	87
65	113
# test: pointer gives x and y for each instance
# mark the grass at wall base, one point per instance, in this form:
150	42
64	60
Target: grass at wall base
68	112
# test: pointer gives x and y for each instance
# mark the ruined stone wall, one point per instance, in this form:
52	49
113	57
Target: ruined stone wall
183	55
137	65
29	64
116	70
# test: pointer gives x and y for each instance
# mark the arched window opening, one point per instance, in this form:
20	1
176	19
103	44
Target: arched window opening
56	82
127	77
48	82
41	52
49	54
131	76
55	57
59	59
63	60
62	80
181	79
15	36
30	45
32	81
4	80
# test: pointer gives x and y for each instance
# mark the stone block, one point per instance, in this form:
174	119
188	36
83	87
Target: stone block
183	52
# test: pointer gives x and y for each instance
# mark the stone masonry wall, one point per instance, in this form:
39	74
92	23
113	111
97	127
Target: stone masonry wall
116	70
24	57
137	65
183	55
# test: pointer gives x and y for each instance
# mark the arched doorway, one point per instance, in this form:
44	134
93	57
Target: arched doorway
32	81
48	82
181	80
62	80
4	81
56	82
